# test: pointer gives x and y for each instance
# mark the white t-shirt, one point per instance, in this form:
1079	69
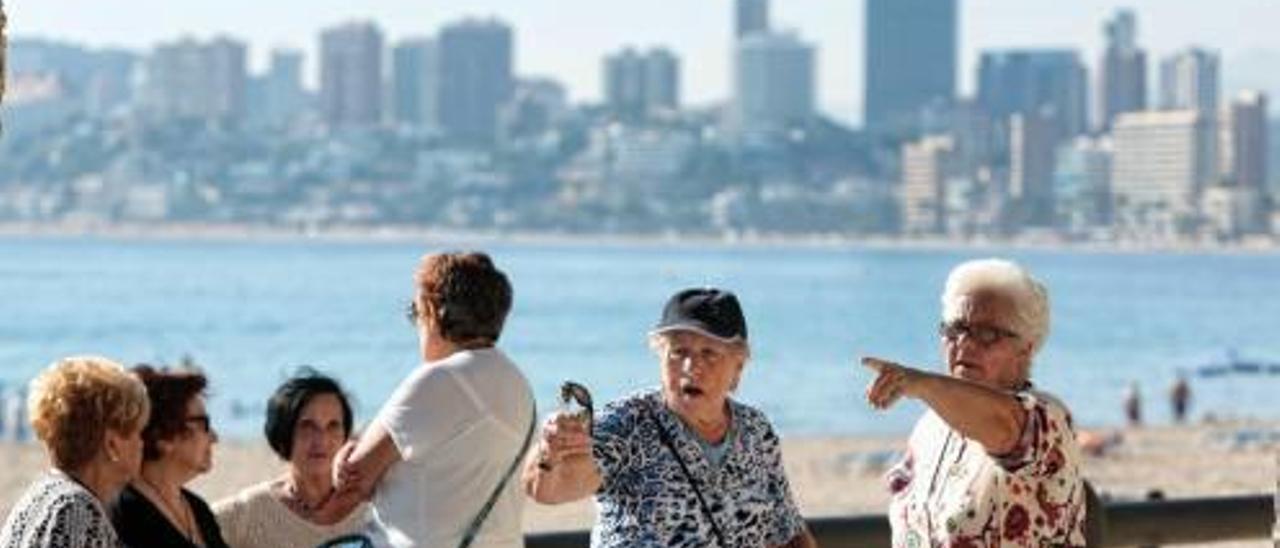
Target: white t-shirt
458	424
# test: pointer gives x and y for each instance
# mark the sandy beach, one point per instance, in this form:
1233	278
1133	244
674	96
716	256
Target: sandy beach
841	476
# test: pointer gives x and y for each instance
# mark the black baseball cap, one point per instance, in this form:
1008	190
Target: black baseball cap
707	311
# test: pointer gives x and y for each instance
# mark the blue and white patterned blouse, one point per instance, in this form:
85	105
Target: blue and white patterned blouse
645	499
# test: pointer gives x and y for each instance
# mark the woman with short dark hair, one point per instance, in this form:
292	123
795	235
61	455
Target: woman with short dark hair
155	509
308	419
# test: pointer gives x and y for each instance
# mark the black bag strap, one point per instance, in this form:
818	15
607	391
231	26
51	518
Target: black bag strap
474	529
702	502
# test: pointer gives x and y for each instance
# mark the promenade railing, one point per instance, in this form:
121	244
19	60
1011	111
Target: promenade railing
1136	523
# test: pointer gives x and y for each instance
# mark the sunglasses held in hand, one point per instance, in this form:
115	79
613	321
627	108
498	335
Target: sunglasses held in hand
575	401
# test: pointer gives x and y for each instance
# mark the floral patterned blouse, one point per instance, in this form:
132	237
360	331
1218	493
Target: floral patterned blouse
949	492
646	500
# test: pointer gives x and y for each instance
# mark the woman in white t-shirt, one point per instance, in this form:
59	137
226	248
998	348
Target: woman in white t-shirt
438	458
308	420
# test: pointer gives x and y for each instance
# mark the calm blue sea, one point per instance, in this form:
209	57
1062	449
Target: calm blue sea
250	312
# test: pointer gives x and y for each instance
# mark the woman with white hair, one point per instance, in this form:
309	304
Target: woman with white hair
993	462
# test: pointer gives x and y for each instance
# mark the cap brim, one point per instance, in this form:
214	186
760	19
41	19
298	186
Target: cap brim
694	328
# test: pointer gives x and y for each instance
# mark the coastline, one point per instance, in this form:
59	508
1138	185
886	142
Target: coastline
247	232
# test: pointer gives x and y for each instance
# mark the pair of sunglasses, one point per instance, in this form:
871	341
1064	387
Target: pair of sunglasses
575	400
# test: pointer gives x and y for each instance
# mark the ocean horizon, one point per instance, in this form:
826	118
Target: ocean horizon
250	312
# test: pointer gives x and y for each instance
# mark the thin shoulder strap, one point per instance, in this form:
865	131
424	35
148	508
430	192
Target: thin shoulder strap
472	530
702	502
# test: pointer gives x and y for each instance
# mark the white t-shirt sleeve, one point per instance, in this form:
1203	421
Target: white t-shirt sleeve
429	408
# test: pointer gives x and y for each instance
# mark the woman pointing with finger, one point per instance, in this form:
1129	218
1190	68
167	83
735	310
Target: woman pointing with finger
993	462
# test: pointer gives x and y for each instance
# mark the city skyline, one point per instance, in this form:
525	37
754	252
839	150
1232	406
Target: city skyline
701	38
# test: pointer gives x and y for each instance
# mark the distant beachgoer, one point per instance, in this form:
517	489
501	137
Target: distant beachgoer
14	421
155	509
439	457
1133	404
88	412
1180	398
993	462
308	419
682	465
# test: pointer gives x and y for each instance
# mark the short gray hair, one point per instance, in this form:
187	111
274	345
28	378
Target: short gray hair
1008	279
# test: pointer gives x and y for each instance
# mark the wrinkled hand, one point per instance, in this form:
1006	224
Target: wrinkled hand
564	437
346	479
892	382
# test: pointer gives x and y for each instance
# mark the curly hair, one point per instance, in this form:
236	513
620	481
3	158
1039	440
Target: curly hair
76	400
169	391
467	294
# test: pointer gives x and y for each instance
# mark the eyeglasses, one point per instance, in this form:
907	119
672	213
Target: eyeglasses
984	335
411	312
707	356
202	421
573	393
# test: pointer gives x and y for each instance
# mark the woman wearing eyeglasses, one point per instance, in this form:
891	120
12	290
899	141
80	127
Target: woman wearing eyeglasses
683	465
994	461
155	509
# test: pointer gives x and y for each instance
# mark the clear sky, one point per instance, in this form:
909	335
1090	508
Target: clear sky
567	38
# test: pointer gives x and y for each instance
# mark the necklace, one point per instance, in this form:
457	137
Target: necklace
299	503
180	512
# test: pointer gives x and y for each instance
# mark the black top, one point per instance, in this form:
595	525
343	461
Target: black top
141	525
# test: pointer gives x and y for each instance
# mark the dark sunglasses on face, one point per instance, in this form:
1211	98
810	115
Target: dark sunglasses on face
411	312
200	421
985	335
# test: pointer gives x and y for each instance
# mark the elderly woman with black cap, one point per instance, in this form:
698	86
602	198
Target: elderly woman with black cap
683	465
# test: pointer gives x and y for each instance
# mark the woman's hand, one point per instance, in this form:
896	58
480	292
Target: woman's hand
564	437
345	476
893	381
562	468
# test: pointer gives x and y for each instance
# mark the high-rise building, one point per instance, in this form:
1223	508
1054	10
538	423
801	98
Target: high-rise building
536	105
475	67
1051	84
1163	159
189	79
1082	183
1122	80
910	61
1189	80
926	167
351	75
751	16
413	82
774	87
1243	140
283	96
662	81
637	84
1033	139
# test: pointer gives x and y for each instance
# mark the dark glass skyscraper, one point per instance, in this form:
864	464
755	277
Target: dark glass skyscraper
476	79
1048	83
751	16
910	60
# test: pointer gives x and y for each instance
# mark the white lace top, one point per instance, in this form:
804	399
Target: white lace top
255	518
58	511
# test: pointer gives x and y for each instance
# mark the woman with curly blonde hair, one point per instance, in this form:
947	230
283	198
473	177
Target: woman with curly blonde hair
88	412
